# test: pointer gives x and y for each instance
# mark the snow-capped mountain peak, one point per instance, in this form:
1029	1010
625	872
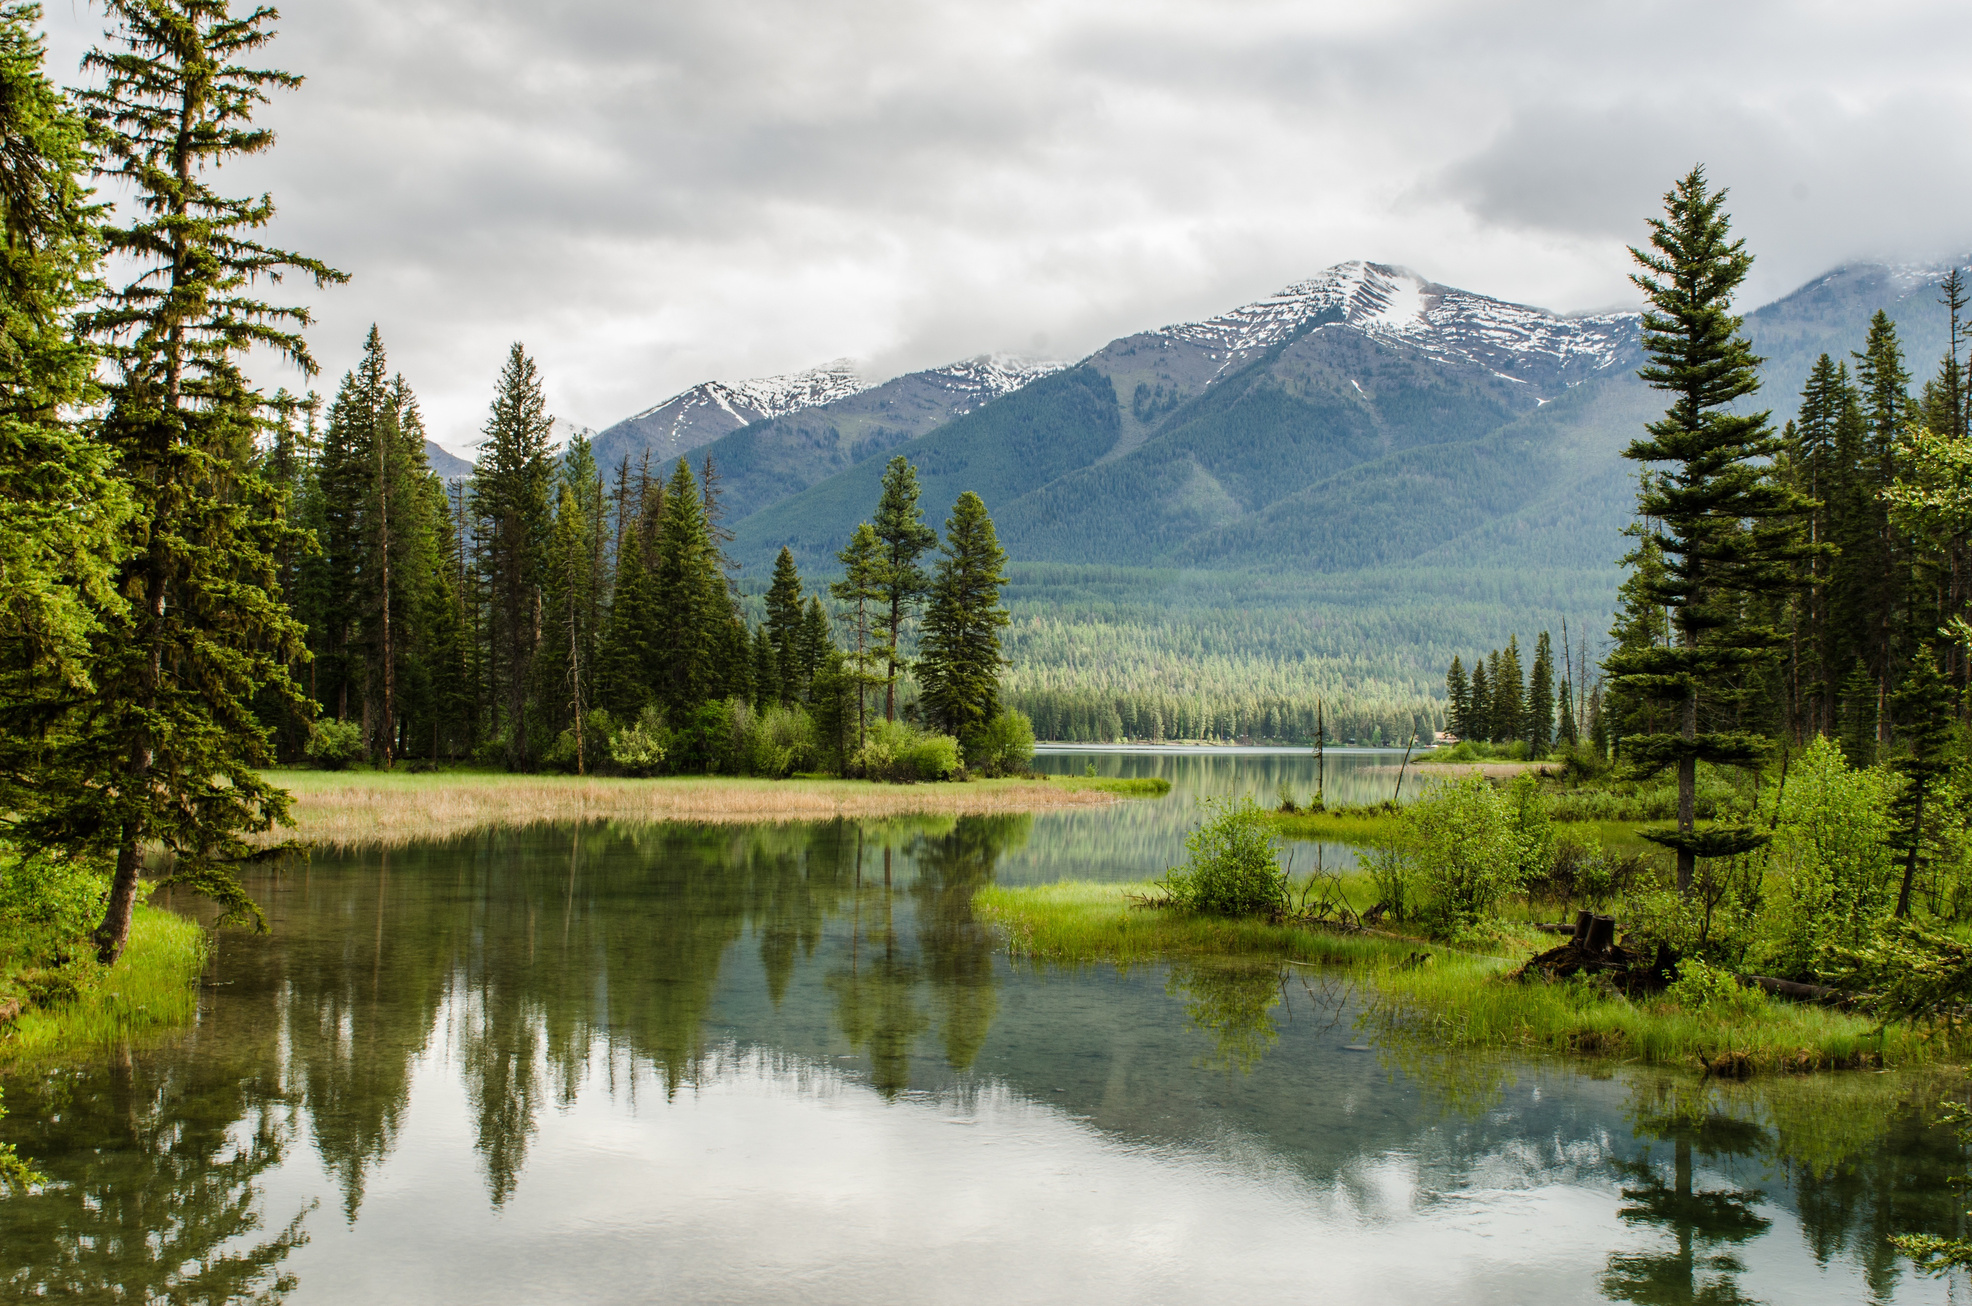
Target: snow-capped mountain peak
1394	303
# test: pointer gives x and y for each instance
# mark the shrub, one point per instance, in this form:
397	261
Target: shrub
1703	987
779	742
597	727
1232	864
641	747
46	904
1466	851
1005	745
333	745
1832	853
904	754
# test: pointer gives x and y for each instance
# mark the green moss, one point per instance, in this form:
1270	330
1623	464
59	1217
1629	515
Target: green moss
152	987
1455	998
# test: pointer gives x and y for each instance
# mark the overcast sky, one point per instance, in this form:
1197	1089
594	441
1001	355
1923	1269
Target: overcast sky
651	194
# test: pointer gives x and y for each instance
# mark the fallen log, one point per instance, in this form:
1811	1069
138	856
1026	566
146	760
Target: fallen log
1821	993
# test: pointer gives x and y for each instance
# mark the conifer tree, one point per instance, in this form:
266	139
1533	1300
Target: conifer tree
1481	721
689	585
861	588
1509	694
510	489
1724	526
1858	716
63	509
170	748
784	624
817	641
1924	705
767	690
900	528
1882	556
631	630
1540	698
1458	700
959	668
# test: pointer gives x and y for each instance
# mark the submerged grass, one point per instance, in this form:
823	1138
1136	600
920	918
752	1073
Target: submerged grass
152	987
353	808
1142	786
1452	998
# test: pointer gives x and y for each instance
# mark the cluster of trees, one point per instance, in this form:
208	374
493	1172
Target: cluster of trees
1085	715
201	578
1497	704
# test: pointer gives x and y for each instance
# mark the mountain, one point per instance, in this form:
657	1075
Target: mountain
448	465
1831	315
710	409
1170	446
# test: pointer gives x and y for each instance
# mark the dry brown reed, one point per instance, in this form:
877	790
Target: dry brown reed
349	809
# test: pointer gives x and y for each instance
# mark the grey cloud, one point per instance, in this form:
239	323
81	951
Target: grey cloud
650	194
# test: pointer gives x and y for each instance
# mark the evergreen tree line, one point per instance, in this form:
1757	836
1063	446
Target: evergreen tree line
546	614
1155	716
1545	708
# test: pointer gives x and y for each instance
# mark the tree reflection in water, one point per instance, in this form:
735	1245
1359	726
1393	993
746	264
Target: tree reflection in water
1232	1003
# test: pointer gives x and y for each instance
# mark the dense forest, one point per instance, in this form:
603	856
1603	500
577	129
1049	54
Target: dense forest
203	579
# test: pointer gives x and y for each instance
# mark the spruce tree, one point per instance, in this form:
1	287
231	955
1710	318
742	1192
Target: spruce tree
861	587
63	509
1925	706
817	642
959	668
510	491
1884	558
767	690
1540	698
1509	694
902	583
169	751
1481	721
784	624
1857	716
1458	700
632	627
1724	526
689	585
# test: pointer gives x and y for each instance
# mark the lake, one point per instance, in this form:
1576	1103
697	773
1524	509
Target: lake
786	1063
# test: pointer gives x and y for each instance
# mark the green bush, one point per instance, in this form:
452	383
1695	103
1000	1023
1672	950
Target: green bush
333	745
641	747
1703	987
1466	846
47	904
779	742
597	727
1832	857
903	754
1232	863
1004	746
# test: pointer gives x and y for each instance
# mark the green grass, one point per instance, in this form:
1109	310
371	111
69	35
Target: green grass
1354	825
152	987
1455	999
1148	786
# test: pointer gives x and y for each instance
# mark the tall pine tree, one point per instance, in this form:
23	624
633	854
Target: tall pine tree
900	529
959	668
510	489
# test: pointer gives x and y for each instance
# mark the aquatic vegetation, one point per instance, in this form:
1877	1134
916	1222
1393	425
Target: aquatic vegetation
153	986
394	808
1232	864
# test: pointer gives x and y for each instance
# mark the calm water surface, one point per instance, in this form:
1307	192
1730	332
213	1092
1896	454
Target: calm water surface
786	1063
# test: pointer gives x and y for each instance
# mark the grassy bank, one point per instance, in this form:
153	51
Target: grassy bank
1455	999
1368	826
153	986
349	808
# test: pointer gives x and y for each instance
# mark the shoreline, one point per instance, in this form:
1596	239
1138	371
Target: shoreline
347	809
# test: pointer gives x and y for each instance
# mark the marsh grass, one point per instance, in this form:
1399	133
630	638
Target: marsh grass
385	808
1456	999
1144	786
152	987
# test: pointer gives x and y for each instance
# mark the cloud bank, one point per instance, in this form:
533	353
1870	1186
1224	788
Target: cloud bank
653	194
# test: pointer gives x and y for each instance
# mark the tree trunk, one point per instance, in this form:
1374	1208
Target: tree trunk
1910	856
1688	791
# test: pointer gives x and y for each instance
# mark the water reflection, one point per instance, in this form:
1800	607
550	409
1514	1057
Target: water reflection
566	1052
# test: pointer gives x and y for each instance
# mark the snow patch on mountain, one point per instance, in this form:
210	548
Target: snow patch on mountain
986	378
1394	303
752	401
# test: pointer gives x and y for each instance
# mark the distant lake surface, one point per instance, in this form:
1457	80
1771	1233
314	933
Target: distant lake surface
620	1064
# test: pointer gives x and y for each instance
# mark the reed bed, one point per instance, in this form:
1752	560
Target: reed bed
1440	996
154	986
370	808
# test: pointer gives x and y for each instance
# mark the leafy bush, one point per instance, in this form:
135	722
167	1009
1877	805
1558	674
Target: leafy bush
641	747
778	741
597	727
333	745
1703	987
1393	873
1232	863
1005	745
46	905
1911	974
1832	856
904	754
1465	843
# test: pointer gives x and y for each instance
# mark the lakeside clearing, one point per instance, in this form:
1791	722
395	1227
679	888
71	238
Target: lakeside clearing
343	809
1440	995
